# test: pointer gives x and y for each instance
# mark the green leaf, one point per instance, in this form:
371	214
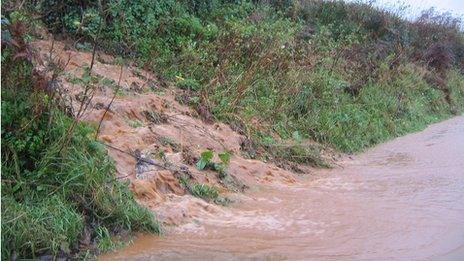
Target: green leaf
201	164
205	158
207	155
225	158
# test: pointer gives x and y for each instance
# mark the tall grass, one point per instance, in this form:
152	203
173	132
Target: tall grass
55	193
345	74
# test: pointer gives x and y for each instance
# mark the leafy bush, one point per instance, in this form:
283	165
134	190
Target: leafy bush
205	161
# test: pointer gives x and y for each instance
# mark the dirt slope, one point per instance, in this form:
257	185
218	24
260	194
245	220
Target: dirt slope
152	138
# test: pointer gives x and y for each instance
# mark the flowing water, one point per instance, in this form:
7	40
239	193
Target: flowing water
402	200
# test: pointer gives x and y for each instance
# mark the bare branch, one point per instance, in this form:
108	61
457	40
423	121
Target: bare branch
111	102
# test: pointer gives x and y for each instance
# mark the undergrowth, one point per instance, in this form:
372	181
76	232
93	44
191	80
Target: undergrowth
204	191
60	195
200	190
347	75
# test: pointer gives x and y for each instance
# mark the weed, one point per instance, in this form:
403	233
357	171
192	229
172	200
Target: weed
56	179
205	159
204	191
200	190
167	141
156	117
298	153
135	123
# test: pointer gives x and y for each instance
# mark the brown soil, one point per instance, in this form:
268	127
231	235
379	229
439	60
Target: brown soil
146	120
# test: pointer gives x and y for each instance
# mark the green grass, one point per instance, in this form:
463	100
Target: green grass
56	183
344	74
204	191
200	190
135	123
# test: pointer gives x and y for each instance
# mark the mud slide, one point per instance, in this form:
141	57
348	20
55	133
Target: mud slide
403	200
154	139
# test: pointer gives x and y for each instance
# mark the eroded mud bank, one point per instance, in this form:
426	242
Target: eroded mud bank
402	200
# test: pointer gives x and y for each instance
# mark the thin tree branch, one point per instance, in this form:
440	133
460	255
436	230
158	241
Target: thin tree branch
111	102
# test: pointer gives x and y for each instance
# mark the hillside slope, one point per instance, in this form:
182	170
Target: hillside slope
195	101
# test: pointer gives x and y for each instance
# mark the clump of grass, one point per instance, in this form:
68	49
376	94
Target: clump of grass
135	123
167	141
156	117
105	240
293	151
200	190
56	179
33	226
298	153
204	191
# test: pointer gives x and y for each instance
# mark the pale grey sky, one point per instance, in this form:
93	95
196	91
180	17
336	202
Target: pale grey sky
456	7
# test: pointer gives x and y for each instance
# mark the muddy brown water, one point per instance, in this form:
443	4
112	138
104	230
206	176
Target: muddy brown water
402	200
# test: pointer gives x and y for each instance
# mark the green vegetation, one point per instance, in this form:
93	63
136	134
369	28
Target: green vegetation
344	74
59	192
204	191
205	161
200	190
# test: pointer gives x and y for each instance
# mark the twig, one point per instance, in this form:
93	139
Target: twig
93	55
151	162
111	102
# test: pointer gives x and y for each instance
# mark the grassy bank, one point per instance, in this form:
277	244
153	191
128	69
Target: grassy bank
344	74
59	191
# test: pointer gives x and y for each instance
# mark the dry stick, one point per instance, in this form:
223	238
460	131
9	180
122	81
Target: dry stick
151	162
83	106
111	102
93	54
